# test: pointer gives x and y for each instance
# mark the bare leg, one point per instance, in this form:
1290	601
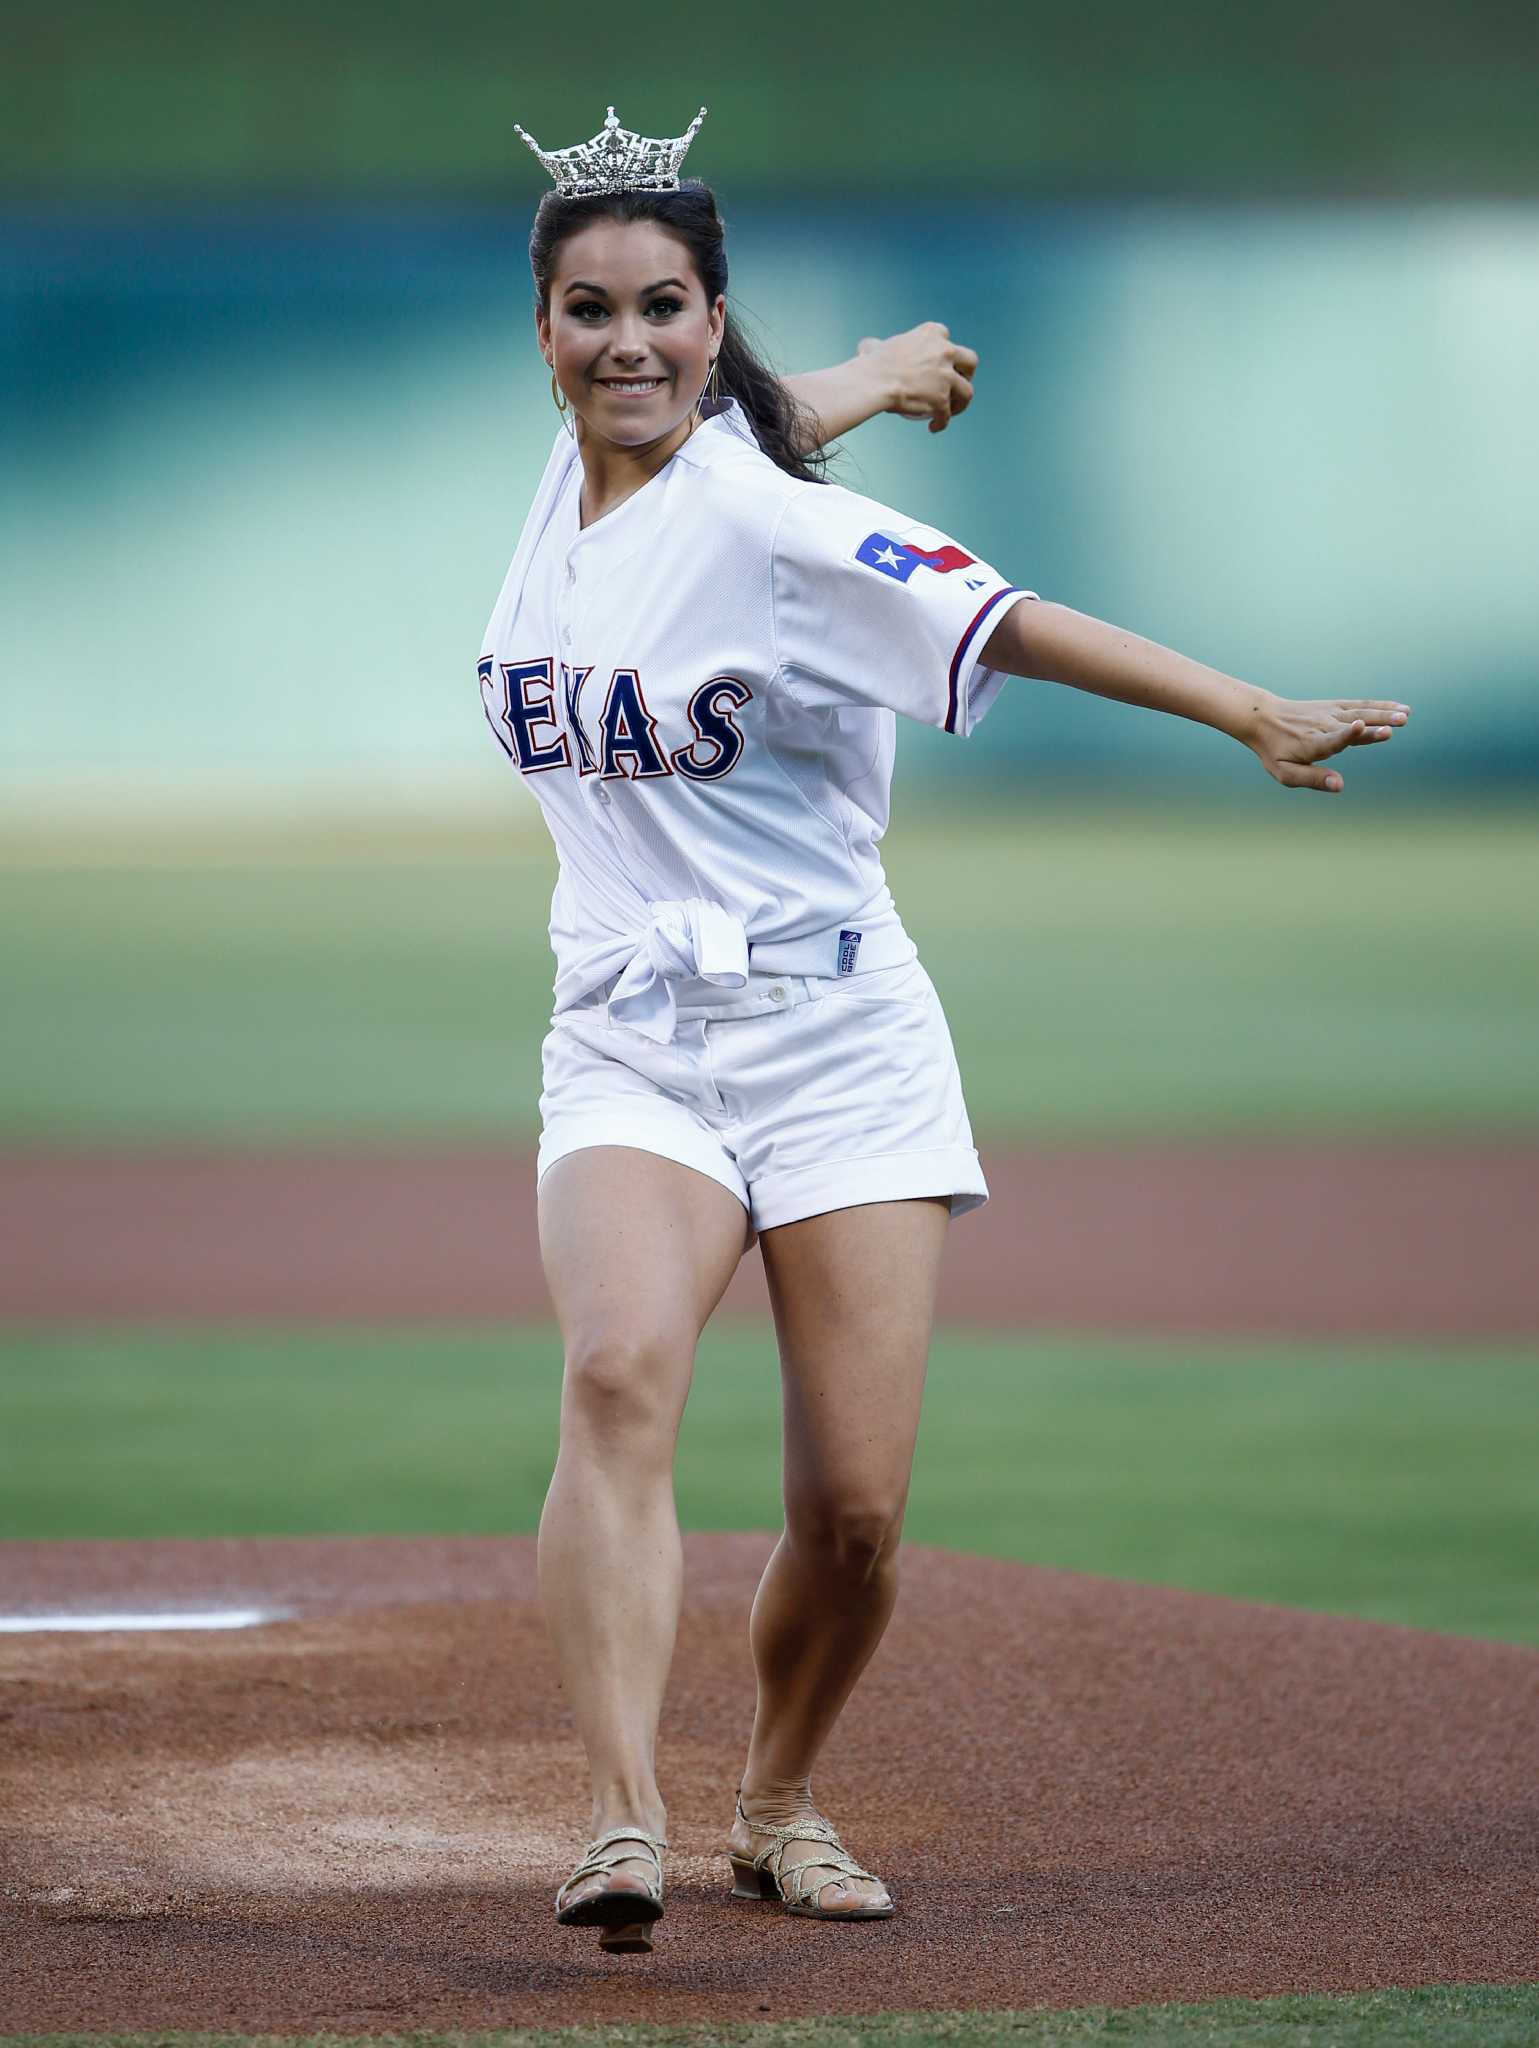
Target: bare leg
638	1250
854	1299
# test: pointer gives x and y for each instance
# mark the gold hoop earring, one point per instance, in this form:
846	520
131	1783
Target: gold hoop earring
709	392
560	399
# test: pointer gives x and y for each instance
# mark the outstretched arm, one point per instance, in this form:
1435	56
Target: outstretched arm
1289	736
922	374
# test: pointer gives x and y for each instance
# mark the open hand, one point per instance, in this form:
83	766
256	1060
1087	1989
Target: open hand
1292	736
929	373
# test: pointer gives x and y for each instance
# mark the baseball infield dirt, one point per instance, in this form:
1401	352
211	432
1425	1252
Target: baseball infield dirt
355	1818
1412	1240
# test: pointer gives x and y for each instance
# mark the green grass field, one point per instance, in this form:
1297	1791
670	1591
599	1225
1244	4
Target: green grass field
1290	968
1263	969
1436	2016
1386	1482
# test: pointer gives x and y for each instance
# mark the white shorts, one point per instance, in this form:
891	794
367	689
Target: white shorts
800	1093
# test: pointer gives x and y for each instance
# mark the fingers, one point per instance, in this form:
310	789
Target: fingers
1291	776
1373	710
1358	732
1379	716
1351	732
1313	774
958	399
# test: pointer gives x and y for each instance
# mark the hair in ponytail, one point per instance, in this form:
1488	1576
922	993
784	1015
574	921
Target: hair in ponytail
782	428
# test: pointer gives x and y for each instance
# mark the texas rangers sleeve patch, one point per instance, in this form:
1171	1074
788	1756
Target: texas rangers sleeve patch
899	558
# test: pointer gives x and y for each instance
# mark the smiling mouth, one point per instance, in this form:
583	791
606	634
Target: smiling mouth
631	387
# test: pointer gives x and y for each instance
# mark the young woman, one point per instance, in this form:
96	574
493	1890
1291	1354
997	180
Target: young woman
694	664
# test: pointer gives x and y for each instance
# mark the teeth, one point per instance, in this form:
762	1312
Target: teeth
631	383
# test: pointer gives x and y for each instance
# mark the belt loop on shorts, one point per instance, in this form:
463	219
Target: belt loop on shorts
766	993
799	988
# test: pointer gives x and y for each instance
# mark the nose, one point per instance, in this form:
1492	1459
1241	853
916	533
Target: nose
628	344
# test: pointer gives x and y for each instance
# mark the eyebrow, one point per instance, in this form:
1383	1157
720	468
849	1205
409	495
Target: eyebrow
580	285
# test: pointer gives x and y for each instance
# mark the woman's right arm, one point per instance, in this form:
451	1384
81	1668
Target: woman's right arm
922	374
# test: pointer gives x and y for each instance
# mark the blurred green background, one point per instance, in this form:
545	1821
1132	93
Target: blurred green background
1280	968
1200	96
1256	293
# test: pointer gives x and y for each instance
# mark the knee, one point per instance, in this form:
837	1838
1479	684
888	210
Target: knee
852	1537
625	1387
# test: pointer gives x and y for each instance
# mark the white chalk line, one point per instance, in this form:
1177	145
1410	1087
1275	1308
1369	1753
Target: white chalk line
97	1624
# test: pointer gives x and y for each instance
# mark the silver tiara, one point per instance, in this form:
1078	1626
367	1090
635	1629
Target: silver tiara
615	160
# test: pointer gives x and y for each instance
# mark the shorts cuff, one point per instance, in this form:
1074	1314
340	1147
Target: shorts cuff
879	1177
576	1133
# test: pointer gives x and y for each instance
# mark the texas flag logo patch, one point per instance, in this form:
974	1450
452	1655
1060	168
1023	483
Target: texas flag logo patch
900	558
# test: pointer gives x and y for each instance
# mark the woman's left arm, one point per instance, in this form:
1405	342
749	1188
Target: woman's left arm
1289	736
922	374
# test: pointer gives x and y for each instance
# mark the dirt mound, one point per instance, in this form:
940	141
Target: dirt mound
355	1818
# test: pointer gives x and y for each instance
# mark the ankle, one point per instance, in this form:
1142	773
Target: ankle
772	1799
649	1815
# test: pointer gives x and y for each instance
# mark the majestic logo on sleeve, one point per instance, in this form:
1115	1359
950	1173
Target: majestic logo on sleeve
900	558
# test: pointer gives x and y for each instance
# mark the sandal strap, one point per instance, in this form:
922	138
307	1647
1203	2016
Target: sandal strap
773	1854
801	1831
626	1834
804	1888
596	1861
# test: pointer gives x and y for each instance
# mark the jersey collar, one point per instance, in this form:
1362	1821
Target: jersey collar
721	438
722	435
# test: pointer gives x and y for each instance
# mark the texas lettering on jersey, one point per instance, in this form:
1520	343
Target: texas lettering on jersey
536	710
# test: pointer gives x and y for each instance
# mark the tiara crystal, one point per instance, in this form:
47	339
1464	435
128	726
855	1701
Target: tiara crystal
615	160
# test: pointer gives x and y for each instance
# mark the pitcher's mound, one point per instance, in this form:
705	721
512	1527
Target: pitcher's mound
1079	1791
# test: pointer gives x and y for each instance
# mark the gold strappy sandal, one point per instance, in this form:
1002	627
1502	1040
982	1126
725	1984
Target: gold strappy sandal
624	1917
766	1877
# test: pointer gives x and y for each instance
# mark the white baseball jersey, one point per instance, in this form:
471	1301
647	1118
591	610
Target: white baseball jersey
700	689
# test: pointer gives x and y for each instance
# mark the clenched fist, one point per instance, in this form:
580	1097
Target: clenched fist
930	375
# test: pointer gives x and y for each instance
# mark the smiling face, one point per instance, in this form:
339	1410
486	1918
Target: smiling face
629	331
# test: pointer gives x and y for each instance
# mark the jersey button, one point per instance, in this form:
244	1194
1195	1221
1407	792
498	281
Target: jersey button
602	794
777	994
